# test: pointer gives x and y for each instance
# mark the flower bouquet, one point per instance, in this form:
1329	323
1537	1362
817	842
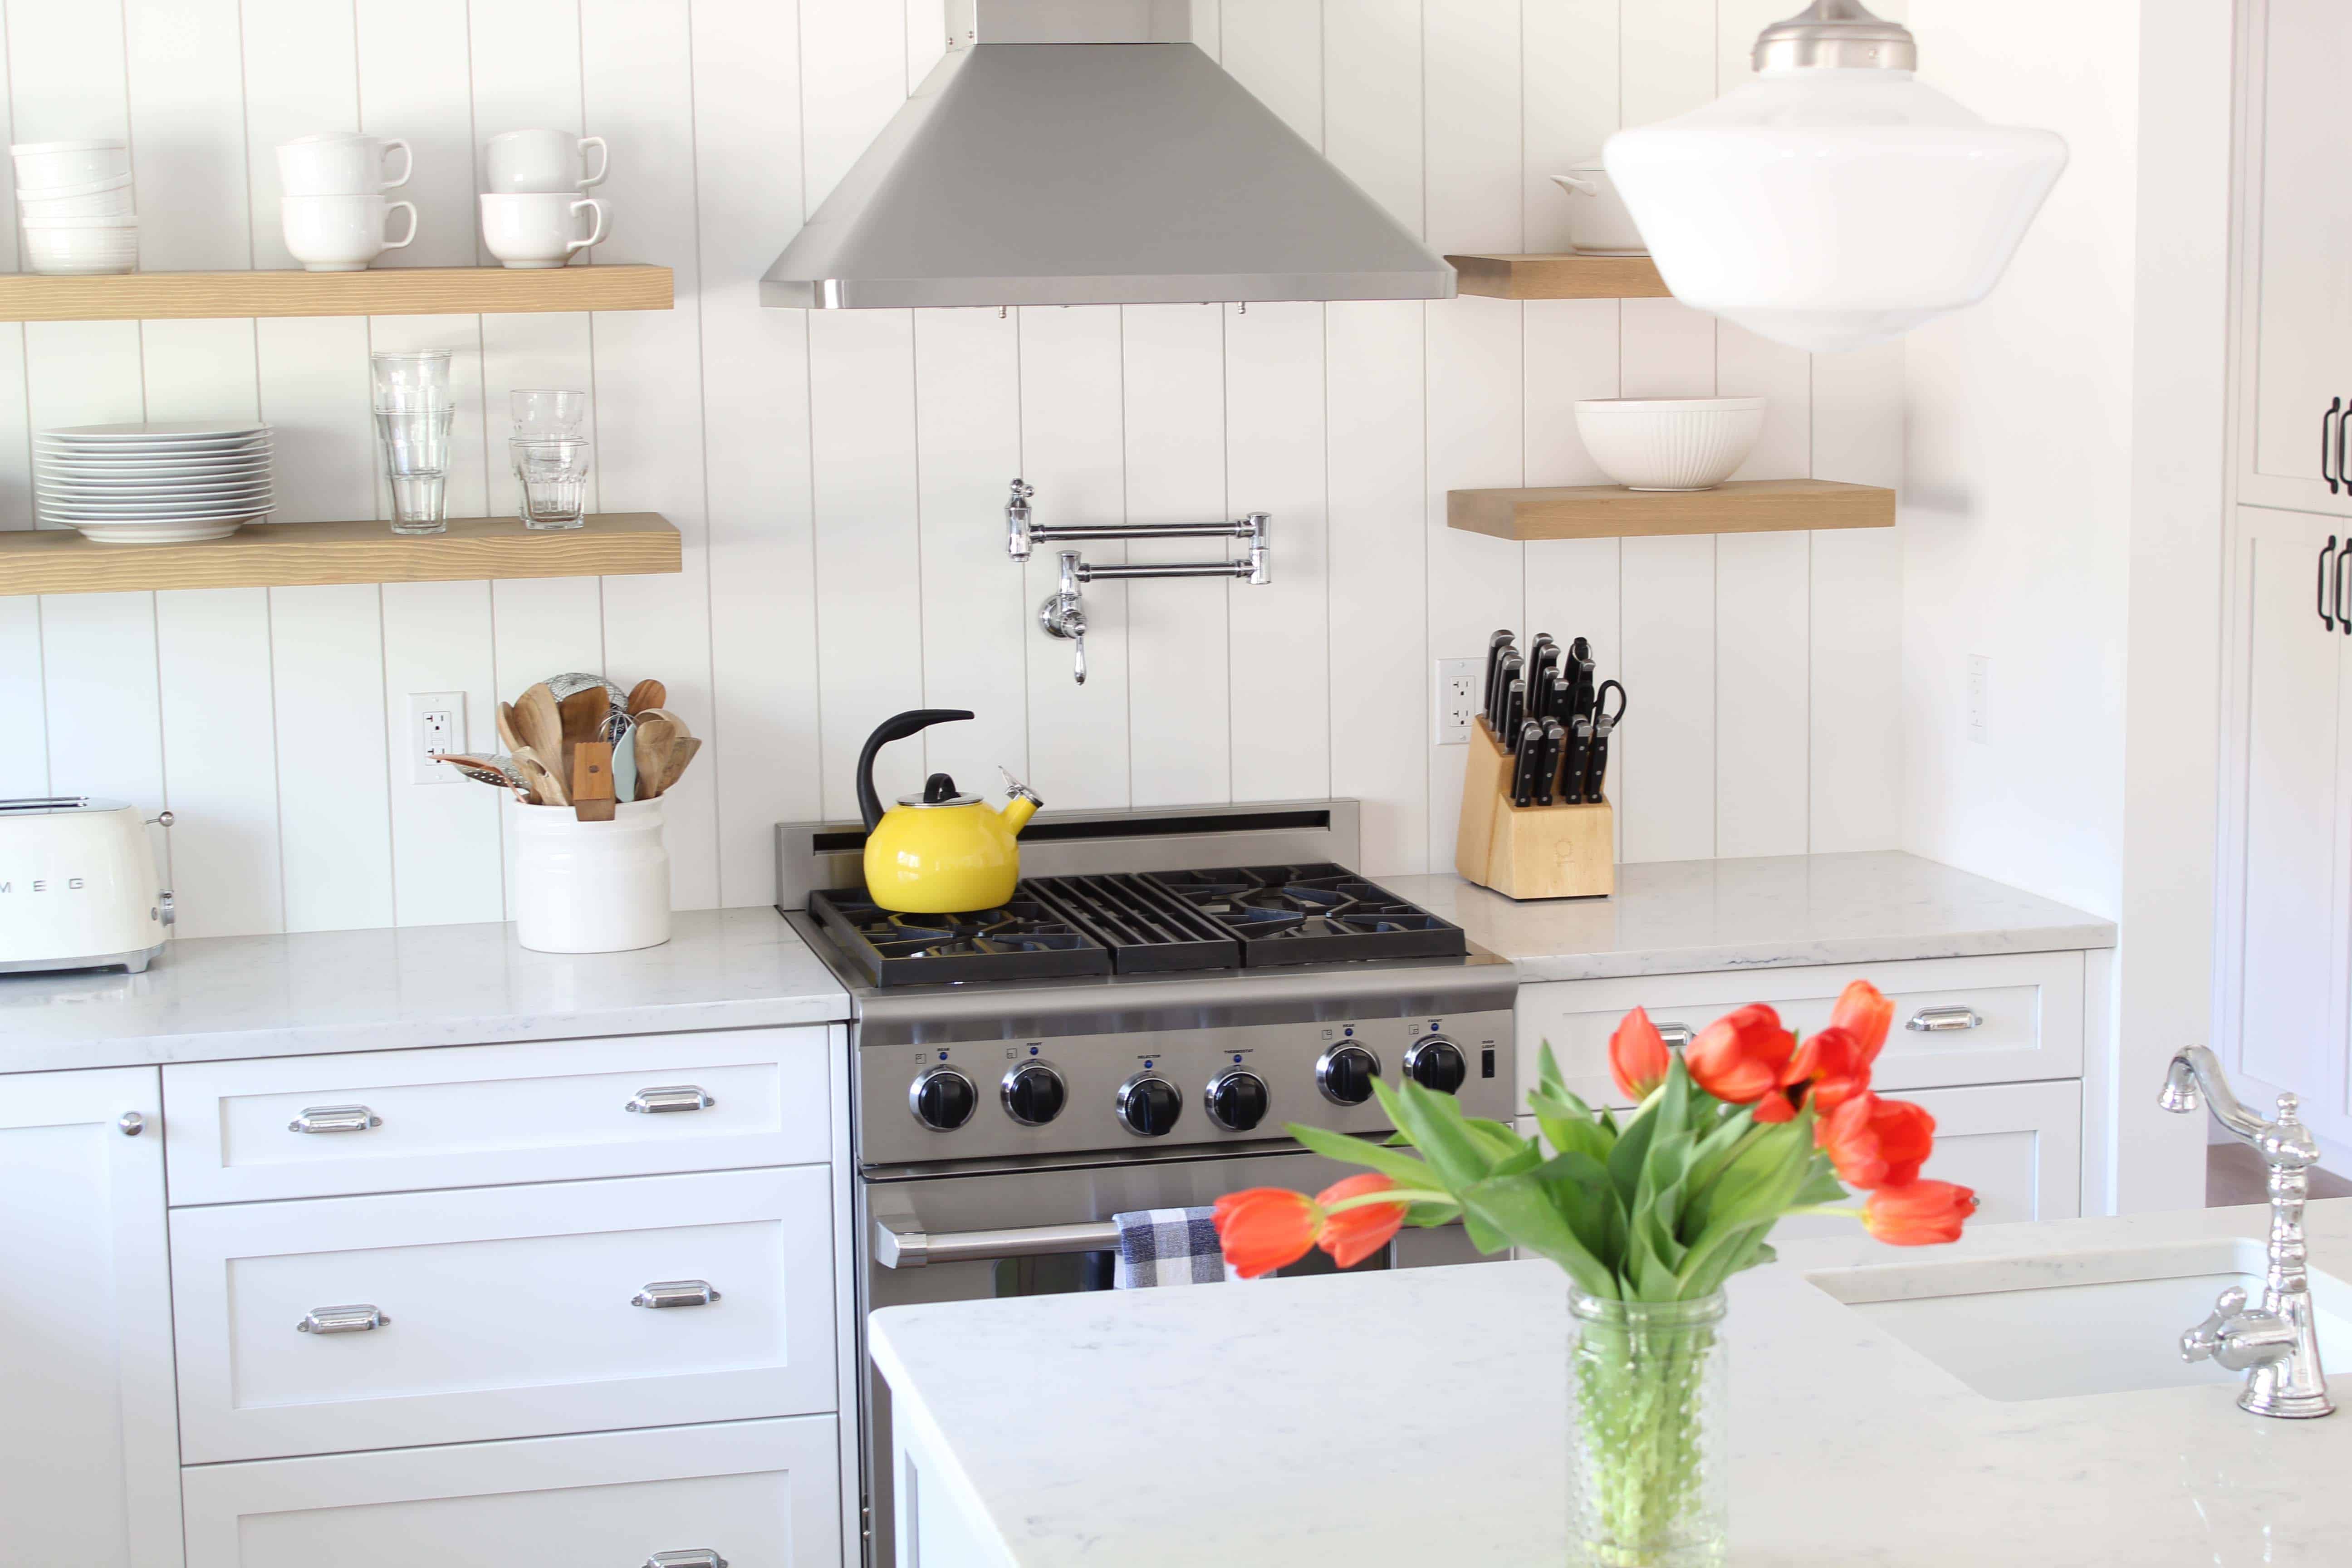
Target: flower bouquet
1648	1213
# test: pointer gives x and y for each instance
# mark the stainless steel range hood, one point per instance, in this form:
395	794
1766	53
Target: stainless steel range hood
1085	152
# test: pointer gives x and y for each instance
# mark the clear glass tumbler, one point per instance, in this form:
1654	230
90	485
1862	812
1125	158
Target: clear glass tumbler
411	383
543	411
554	474
1646	1451
417	460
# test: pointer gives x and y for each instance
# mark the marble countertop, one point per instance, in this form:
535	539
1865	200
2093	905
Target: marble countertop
214	998
1399	1420
1682	916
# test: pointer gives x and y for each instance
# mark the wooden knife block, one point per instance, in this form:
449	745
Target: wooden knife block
1532	851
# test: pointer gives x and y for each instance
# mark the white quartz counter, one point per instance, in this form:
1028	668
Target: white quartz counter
215	998
1410	1419
1683	916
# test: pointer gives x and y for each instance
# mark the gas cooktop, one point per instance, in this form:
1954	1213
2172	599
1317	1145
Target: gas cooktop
1151	922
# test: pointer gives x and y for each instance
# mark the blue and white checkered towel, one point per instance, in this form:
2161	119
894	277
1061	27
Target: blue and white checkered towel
1167	1246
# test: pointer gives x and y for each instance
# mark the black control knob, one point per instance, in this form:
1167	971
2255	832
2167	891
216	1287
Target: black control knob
1344	1074
1437	1063
1237	1099
942	1098
1150	1105
1033	1094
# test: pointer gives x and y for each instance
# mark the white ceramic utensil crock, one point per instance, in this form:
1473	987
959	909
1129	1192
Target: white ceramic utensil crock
591	887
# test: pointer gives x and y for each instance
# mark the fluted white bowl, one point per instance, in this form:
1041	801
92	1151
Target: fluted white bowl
1670	443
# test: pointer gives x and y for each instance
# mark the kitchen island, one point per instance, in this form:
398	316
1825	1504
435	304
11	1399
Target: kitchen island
1393	1420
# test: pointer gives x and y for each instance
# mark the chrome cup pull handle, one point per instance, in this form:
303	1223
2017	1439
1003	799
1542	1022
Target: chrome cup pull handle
334	1118
701	1557
675	1293
1943	1020
679	1097
353	1320
1677	1036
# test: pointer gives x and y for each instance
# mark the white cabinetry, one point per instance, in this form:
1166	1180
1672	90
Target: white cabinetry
89	1456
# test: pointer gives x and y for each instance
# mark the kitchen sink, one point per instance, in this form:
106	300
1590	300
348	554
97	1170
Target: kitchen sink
2077	1323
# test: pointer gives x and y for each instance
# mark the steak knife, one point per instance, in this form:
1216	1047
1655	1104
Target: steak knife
1496	713
1555	736
1530	753
1571	772
1515	708
1495	647
1542	666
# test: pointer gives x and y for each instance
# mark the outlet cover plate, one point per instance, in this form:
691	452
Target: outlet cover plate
1459	693
436	723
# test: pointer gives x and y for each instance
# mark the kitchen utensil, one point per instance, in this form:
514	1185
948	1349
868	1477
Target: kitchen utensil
84	891
592	781
1580	755
416	448
490	771
1596	771
549	411
1542	669
1525	753
646	694
1670	443
651	744
580	717
938	852
541	778
341	164
509	732
545	161
1512	668
46	165
1495	647
1555	740
681	751
1515	709
591	886
539	230
539	721
1598	222
553	471
342	234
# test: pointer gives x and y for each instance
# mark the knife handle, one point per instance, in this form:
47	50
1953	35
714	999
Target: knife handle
1523	774
1571	776
1555	734
1597	770
1515	708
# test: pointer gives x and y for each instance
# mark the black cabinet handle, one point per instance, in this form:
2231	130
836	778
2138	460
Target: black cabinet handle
2342	582
2335	410
2326	587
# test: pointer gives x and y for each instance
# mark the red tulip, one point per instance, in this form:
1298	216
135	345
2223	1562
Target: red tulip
1834	1064
1265	1228
1867	1012
1876	1142
1776	1107
1919	1214
1637	1057
1353	1235
1740	1057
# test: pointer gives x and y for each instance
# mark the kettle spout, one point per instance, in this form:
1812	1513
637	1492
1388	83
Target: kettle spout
1021	803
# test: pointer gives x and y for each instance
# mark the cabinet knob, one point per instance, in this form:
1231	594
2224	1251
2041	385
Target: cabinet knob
675	1293
335	1119
701	1557
131	1123
358	1319
682	1097
1943	1020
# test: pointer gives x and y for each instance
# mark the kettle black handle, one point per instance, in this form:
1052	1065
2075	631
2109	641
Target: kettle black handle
898	727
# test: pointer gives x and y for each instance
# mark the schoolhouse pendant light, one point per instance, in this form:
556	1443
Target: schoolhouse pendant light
1835	200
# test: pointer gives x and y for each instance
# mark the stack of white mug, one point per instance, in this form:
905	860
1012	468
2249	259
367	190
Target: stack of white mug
335	208
74	201
531	213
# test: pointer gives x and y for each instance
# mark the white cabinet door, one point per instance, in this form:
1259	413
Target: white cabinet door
89	1462
2296	314
2282	963
759	1494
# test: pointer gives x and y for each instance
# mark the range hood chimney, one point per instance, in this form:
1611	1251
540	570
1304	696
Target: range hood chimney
1085	153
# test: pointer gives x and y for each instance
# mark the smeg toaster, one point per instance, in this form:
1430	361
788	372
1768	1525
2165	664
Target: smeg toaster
78	886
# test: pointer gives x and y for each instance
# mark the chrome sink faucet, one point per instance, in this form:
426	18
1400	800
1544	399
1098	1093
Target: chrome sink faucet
2277	1344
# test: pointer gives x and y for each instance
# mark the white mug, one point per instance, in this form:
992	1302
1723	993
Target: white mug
340	166
341	233
535	228
545	161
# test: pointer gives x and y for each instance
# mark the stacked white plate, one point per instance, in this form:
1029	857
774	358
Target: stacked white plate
154	483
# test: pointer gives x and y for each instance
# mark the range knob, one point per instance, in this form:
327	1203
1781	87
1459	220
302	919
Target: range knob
1436	1063
1033	1094
1344	1074
942	1098
1237	1099
1150	1105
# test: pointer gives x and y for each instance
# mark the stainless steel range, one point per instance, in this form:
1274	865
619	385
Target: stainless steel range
1133	1030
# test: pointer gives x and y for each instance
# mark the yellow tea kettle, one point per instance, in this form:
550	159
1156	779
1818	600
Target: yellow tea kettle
939	852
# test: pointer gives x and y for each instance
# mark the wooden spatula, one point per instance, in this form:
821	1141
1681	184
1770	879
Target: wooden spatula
652	739
592	781
582	714
681	751
539	724
509	732
542	782
647	694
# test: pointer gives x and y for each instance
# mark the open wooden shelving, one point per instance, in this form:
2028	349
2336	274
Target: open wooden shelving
288	554
1612	511
376	291
1559	277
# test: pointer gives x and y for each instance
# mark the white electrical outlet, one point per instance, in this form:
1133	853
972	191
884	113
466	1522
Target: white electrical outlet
436	724
1458	696
1980	698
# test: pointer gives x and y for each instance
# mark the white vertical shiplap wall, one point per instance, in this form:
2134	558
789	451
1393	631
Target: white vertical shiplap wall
837	477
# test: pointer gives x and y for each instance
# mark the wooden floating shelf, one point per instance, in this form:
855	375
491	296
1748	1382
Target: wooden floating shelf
290	554
377	292
1612	511
1559	277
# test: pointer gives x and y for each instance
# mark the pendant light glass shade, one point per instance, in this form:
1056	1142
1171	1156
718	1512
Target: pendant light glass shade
1835	201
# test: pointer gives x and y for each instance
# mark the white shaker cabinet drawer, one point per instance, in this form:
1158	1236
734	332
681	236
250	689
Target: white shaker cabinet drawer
478	1115
759	1494
343	1323
2006	1018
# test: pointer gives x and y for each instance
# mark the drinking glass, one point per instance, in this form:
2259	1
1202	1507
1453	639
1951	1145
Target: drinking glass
411	383
417	460
554	474
542	411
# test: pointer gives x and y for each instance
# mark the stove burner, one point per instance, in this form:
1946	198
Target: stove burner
1312	914
1024	938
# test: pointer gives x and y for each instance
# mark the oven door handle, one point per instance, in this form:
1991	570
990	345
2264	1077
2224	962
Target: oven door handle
897	1244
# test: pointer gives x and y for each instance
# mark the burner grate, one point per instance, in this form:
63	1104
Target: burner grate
1026	938
1312	914
1148	932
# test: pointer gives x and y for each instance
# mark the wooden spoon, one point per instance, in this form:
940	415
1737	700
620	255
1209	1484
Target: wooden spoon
509	732
681	753
647	694
654	736
536	774
540	725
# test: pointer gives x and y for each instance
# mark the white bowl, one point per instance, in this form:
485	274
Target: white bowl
112	201
42	165
1598	223
1670	443
78	220
59	250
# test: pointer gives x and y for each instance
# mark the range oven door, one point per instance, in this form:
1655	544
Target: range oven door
1046	1231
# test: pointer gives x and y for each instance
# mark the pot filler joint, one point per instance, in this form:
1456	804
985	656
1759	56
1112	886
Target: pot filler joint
1063	613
